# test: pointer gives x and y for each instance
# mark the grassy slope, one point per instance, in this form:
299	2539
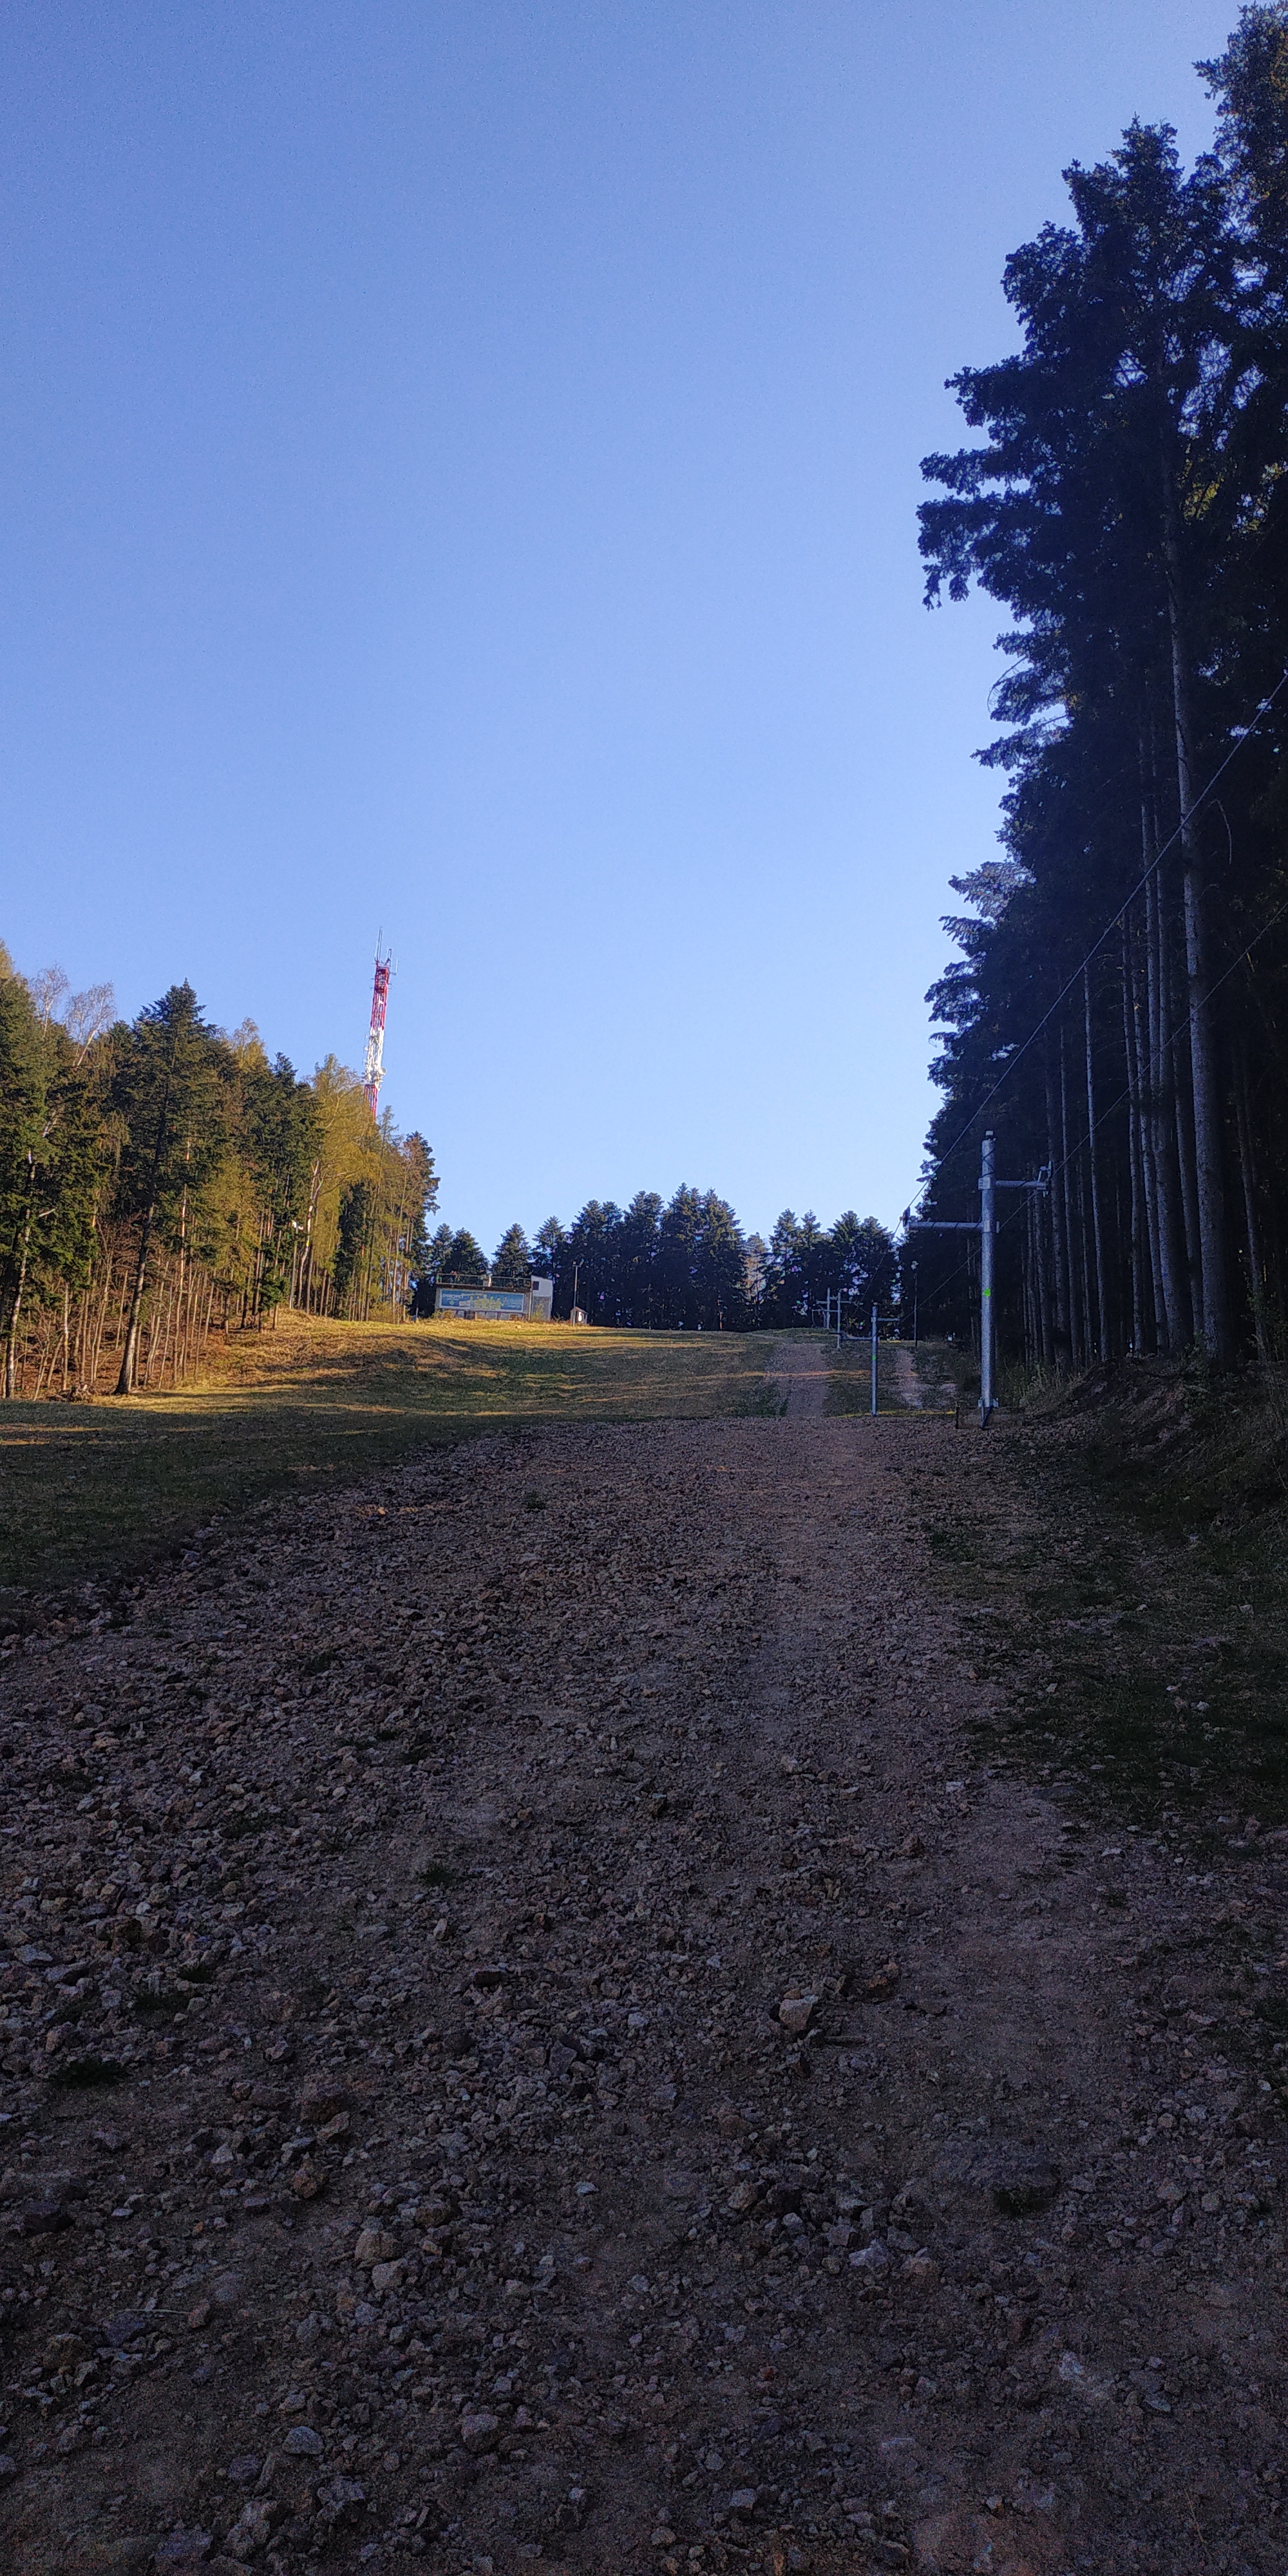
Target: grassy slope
105	1488
850	1390
1118	1554
1127	1579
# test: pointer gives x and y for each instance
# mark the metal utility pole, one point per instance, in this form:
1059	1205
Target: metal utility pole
987	1232
878	1318
986	1229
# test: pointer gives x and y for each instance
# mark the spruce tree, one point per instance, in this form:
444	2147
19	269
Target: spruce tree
172	1088
512	1261
463	1264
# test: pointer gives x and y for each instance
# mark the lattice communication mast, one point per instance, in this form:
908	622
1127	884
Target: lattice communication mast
373	1071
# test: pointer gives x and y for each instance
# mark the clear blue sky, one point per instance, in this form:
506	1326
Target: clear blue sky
459	477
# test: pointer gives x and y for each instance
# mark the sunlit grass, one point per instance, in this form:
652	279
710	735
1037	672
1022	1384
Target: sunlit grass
87	1489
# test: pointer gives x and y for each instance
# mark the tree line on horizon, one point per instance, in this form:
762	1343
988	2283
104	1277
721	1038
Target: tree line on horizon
159	1176
1119	1013
680	1264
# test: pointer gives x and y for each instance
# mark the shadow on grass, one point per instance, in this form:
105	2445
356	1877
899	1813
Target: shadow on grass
1127	1586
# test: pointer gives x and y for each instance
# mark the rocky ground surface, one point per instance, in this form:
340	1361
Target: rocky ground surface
537	2032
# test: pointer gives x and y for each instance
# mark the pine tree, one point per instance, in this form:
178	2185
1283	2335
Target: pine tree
1115	507
512	1262
50	1161
640	1238
440	1245
463	1264
172	1081
279	1132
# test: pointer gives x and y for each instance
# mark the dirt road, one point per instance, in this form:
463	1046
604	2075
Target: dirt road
801	1369
537	2036
911	1390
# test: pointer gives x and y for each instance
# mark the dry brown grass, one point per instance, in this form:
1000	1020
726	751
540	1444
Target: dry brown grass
92	1489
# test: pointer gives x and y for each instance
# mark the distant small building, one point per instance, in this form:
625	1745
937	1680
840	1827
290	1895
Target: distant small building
484	1305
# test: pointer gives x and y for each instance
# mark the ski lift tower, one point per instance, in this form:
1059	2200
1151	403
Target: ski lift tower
373	1071
985	1226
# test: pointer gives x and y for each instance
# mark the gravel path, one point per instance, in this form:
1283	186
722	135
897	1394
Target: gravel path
801	1367
591	2072
906	1378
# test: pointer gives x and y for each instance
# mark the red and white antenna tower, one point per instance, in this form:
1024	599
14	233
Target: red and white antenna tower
373	1071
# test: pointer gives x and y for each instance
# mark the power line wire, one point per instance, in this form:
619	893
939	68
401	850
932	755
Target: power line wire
1116	1104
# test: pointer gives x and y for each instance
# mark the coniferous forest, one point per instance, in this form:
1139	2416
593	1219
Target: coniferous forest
685	1264
159	1177
1119	1015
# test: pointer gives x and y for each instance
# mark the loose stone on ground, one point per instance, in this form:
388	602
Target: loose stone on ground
536	2036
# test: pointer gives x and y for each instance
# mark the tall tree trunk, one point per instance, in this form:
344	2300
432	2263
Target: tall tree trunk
1161	1125
1041	1277
1063	1337
1135	1157
1093	1149
1076	1339
1203	1076
1144	980
96	1323
1142	990
1035	1281
314	1185
1247	1167
1026	1295
1182	1103
1084	1263
19	1286
129	1356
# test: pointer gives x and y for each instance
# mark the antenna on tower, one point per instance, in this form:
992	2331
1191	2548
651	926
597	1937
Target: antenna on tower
373	1071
